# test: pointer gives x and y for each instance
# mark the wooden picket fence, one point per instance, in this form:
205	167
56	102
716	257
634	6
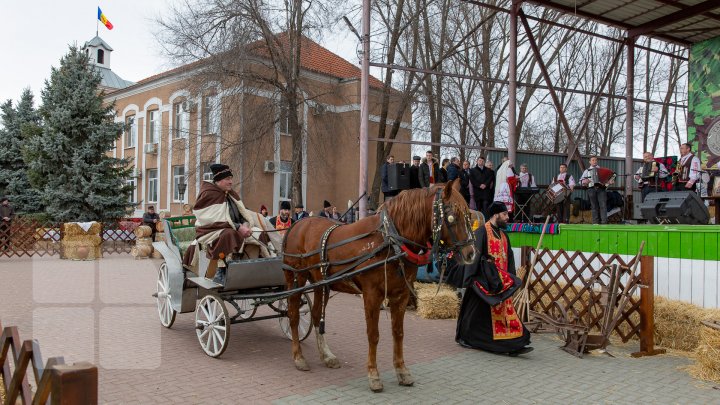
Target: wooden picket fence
55	381
28	237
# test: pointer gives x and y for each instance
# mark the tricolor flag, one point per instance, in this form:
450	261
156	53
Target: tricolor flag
104	19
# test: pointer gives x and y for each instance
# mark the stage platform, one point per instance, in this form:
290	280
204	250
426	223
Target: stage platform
687	257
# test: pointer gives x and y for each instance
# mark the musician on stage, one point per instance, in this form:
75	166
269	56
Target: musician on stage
525	178
649	174
596	192
688	171
562	209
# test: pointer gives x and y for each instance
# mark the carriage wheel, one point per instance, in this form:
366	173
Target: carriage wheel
212	325
305	325
165	310
246	308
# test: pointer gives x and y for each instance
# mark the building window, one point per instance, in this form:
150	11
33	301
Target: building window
284	120
130	132
181	120
285	180
178	178
153	126
152	187
210	115
131	182
100	56
205	170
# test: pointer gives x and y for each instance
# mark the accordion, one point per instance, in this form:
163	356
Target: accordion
601	177
647	173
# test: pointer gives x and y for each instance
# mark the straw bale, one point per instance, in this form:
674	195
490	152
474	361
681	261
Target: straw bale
144	241
444	305
707	355
678	324
73	229
2	391
143	231
69	248
141	251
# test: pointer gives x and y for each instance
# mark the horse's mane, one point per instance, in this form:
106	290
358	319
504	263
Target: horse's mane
410	211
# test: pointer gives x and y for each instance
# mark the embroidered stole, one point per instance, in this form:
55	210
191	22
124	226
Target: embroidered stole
505	321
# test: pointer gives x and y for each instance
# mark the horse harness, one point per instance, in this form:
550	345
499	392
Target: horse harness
391	238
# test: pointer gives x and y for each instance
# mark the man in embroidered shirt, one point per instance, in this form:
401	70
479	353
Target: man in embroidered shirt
597	194
649	181
562	209
526	179
488	320
689	172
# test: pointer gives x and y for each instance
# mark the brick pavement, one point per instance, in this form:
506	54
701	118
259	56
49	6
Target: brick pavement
102	312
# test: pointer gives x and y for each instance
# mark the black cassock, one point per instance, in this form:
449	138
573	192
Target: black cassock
475	326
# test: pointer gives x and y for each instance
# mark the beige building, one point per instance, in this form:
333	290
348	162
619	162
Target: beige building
175	132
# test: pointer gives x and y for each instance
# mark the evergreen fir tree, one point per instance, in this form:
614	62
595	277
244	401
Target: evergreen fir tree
13	172
69	159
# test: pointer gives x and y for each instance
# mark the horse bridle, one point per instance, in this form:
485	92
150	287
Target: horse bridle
440	208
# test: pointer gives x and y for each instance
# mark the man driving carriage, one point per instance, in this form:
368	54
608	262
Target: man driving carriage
224	228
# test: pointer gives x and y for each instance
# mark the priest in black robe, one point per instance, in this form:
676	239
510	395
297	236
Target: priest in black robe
488	320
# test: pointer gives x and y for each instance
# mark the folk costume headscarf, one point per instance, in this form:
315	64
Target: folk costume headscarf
505	321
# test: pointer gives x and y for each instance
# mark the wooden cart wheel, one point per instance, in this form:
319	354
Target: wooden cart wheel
246	308
212	325
305	325
558	312
165	310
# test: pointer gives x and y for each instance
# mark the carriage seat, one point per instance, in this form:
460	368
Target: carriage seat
182	232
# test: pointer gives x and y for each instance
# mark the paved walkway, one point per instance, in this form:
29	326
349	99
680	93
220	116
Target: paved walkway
103	312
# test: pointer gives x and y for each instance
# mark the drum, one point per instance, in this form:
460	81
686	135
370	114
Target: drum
557	192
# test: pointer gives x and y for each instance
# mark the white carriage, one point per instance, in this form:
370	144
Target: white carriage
249	284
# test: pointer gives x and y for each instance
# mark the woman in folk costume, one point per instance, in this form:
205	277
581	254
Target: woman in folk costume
505	184
488	320
224	227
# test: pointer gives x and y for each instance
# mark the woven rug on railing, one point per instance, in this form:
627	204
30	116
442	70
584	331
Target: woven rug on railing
533	228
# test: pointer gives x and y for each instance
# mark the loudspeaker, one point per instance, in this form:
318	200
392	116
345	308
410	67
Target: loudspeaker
398	177
681	207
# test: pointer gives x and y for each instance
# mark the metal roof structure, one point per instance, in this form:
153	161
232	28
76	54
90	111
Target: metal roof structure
684	22
111	80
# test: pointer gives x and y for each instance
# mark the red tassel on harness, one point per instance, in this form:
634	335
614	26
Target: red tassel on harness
415	258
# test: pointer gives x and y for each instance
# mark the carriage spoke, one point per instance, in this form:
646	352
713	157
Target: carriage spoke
205	312
204	333
215	343
218	327
218	336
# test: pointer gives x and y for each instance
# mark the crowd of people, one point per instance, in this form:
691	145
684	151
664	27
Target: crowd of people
481	184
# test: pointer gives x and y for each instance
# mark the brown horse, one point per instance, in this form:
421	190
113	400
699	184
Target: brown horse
438	213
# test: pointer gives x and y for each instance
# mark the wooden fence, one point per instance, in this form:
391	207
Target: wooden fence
573	279
30	237
55	381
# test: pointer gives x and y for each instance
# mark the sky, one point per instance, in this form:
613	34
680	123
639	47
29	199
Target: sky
37	33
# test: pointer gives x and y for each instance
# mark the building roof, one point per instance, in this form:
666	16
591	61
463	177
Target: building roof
112	80
314	58
683	22
97	41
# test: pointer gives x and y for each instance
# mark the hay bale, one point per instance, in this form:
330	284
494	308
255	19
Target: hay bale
707	355
143	231
444	305
2	391
87	247
71	229
678	324
141	251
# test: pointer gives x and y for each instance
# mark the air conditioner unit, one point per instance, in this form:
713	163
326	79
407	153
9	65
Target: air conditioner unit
269	166
150	148
188	106
319	109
